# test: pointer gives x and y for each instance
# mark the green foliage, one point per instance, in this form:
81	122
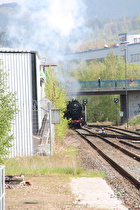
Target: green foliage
7	114
135	120
114	67
133	70
57	95
83	71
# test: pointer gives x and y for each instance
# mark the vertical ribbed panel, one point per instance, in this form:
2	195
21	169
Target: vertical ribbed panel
20	81
2	187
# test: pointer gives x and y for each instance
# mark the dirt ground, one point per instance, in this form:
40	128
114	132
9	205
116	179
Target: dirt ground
50	192
58	192
45	193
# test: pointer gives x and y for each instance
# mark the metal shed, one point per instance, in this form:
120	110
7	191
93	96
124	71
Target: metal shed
24	79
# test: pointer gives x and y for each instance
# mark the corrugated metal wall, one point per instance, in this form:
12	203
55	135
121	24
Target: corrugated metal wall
19	65
2	187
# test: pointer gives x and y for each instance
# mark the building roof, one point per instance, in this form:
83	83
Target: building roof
12	50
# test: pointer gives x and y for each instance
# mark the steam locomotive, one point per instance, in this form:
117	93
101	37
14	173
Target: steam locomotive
75	114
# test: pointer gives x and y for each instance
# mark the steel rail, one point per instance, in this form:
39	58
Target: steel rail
112	163
125	151
120	136
109	127
130	144
125	130
125	134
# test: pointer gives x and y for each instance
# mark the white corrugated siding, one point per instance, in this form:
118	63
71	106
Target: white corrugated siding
20	81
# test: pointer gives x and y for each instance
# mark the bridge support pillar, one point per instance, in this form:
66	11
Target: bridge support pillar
133	105
123	108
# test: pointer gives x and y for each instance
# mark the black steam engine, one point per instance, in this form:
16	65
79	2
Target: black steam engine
74	114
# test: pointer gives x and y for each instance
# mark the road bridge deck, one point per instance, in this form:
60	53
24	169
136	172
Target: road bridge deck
103	91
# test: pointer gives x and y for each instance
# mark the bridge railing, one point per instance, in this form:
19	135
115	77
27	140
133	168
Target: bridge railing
72	85
109	84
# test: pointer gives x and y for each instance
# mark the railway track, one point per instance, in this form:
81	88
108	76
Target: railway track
110	151
131	138
114	144
117	130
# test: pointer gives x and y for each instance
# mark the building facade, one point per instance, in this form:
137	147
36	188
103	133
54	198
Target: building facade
127	41
24	81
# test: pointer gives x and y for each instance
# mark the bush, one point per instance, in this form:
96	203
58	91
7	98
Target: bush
7	113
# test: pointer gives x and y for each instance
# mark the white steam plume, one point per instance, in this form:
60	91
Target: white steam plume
47	25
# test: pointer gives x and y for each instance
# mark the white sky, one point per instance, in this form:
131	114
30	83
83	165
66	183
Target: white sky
8	1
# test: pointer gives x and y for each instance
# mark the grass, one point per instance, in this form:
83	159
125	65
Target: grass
135	120
63	162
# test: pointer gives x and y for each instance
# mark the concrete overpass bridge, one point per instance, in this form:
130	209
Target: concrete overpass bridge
129	93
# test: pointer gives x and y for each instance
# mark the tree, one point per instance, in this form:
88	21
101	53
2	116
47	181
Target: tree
114	67
133	70
57	95
7	113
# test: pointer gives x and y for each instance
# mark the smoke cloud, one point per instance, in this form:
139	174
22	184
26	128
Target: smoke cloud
47	26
